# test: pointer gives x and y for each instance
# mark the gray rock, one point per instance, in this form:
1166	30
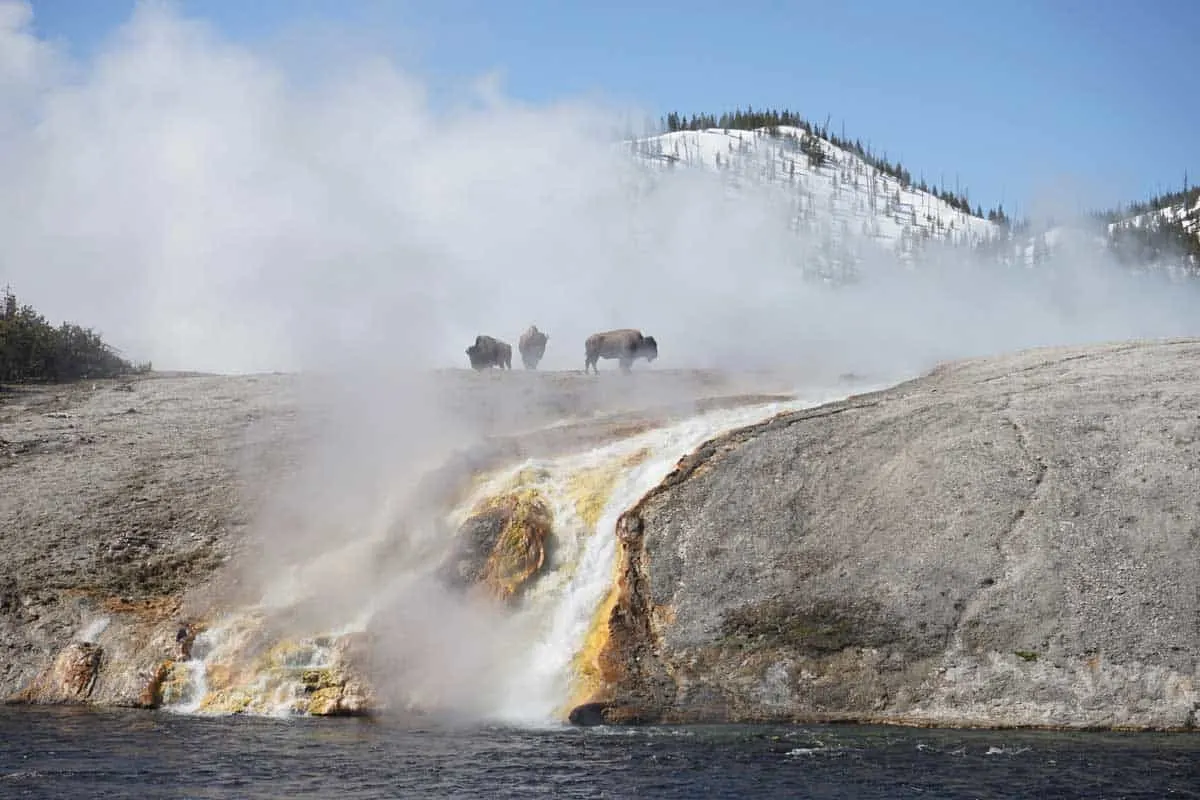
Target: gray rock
1009	541
108	517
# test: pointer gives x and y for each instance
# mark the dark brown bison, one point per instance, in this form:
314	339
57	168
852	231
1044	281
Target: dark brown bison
532	345
625	345
489	352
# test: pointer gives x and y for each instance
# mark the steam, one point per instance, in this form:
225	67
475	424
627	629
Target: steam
206	207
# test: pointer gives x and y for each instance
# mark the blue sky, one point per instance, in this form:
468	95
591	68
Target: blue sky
1088	104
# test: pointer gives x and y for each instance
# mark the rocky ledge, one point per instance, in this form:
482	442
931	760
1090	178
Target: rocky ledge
1003	542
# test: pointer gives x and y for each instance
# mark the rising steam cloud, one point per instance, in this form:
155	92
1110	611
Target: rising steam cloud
206	208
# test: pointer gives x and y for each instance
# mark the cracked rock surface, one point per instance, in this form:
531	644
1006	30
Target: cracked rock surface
1008	541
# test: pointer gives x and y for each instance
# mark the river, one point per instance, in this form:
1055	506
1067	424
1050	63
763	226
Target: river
49	752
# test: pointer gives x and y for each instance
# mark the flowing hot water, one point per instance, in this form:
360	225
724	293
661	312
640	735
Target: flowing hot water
512	658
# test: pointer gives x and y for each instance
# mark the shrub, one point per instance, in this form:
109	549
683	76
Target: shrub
31	349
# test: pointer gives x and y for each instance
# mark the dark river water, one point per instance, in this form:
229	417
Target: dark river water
75	753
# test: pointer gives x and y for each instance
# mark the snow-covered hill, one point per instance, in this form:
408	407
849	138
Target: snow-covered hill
829	191
841	205
1162	233
1186	212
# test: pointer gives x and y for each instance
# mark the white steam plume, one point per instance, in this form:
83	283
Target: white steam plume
206	210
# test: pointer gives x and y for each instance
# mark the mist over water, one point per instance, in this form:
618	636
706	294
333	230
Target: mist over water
207	207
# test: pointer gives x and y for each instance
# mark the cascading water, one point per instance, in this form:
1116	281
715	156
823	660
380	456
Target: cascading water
524	651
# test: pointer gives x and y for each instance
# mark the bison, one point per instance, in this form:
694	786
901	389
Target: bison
489	352
625	345
532	346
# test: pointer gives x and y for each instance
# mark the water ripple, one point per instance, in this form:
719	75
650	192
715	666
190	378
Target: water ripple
63	752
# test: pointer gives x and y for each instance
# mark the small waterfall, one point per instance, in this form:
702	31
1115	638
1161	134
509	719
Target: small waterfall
591	490
522	653
237	667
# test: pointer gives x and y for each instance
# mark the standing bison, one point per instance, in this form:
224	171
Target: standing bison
625	345
532	346
489	352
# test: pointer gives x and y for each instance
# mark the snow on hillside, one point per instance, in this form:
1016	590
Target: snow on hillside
1187	214
1166	238
841	206
842	199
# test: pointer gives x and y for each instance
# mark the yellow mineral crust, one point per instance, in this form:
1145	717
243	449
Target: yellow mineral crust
520	549
587	670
